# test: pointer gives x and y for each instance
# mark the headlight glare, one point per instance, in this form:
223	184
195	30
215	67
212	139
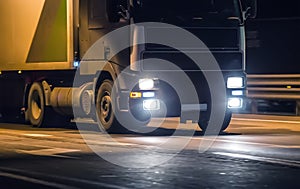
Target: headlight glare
146	84
235	82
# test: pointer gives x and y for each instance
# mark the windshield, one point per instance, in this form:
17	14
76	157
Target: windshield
187	10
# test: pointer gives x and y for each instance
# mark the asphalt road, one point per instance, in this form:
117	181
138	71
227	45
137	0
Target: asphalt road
256	151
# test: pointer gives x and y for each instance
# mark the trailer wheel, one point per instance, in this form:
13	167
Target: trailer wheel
40	115
36	105
104	107
203	122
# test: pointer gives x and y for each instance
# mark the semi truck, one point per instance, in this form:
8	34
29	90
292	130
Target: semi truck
44	45
273	59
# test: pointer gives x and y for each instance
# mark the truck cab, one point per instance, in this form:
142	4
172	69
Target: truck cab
122	62
160	69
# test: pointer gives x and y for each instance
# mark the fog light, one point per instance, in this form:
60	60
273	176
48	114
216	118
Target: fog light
235	103
152	104
235	82
146	84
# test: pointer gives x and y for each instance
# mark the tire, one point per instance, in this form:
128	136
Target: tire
107	117
38	114
36	105
104	108
203	122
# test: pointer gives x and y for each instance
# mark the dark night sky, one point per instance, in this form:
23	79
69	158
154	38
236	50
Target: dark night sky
272	41
278	8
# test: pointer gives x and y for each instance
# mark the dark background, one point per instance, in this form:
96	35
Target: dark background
273	38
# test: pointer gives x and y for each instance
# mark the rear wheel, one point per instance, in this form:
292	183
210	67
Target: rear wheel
38	114
36	105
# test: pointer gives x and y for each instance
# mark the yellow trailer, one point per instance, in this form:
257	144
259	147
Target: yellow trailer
36	53
36	35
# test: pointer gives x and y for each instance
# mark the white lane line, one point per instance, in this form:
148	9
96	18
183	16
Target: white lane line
112	143
54	152
73	180
249	143
257	144
159	141
265	120
292	163
35	181
37	135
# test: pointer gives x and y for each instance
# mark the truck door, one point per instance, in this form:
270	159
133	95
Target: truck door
96	20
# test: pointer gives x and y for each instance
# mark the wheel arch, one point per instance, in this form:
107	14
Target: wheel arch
46	89
109	72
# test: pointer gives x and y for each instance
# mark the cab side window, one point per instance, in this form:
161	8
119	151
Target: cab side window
97	14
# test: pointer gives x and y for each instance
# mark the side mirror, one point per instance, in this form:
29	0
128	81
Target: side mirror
250	8
124	12
117	9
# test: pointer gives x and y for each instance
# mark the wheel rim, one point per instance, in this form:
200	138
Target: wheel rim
36	109
106	108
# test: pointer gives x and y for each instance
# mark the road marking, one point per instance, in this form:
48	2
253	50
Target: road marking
83	181
159	140
53	152
243	142
37	135
113	143
292	163
35	181
255	143
265	120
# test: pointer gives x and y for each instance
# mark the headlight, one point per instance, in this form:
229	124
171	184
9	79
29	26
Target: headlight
146	84
235	82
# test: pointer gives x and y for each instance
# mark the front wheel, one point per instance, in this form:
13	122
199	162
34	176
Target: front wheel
104	107
203	122
107	114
